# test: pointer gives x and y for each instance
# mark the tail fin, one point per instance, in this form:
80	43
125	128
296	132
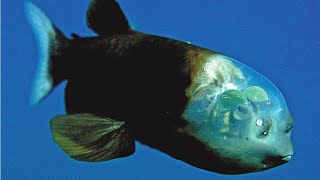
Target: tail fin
49	40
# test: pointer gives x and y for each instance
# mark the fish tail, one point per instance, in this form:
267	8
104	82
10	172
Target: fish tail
50	41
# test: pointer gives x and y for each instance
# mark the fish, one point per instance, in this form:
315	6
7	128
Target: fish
191	103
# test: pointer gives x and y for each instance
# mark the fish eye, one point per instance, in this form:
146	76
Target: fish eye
259	122
242	112
264	126
265	133
255	94
230	100
289	128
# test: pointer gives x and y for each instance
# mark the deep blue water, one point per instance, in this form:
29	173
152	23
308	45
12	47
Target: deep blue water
280	39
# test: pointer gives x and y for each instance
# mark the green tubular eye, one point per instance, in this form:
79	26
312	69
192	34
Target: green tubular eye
242	112
230	100
255	94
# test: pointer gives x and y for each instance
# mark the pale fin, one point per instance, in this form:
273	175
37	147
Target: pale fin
49	40
87	137
106	18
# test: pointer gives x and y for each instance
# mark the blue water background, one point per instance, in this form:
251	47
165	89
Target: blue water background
280	39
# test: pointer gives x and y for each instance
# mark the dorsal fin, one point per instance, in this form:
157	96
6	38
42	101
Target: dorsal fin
106	18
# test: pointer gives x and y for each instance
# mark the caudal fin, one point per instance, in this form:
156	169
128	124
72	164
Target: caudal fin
49	40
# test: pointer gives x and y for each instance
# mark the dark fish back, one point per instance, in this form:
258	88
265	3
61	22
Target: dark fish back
138	74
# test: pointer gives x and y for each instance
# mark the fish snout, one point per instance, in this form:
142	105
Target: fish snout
287	158
273	161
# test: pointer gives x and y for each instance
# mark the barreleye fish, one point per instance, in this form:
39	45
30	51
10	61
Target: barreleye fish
194	104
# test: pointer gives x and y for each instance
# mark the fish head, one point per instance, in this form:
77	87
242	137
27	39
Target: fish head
240	116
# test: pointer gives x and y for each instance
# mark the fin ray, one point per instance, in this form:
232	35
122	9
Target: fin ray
86	137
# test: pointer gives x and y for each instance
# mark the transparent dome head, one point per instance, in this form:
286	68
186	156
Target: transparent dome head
238	112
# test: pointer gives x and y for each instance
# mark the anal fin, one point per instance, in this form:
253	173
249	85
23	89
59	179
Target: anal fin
87	137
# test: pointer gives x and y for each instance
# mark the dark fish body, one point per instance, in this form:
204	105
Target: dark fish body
118	75
194	104
131	78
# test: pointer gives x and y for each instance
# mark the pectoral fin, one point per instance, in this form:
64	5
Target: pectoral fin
87	137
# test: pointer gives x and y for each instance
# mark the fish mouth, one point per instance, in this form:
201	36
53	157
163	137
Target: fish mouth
276	160
287	158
